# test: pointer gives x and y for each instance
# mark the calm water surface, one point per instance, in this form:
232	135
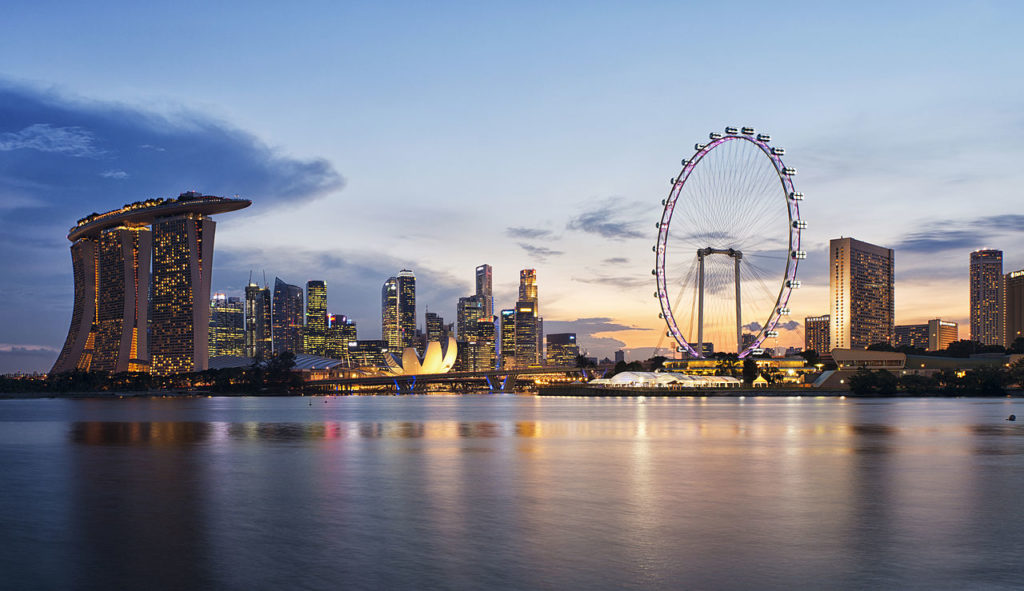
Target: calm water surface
477	492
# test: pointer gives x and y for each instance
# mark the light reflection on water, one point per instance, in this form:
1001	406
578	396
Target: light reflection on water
511	492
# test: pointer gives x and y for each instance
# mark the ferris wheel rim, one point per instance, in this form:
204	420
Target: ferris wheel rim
789	281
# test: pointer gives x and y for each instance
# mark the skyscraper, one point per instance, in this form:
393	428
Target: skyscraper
467	312
484	289
129	277
227	326
526	334
1013	290
528	286
398	311
258	322
941	333
987	297
861	288
480	354
340	333
123	302
507	345
182	262
563	350
816	334
315	335
287	313
434	326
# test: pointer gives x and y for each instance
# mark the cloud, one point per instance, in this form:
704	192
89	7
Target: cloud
26	358
539	252
753	327
59	158
791	325
42	137
12	348
586	330
965	235
531	233
615	281
607	221
616	261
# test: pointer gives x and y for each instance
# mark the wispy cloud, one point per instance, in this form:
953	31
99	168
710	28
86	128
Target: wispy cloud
947	235
615	281
42	137
10	348
114	174
529	233
541	253
616	261
609	220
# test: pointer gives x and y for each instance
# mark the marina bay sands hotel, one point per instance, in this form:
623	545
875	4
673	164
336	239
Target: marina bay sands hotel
142	286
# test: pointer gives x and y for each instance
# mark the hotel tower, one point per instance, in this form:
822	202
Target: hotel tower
860	294
142	286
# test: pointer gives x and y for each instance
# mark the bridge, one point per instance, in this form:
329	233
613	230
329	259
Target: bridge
496	380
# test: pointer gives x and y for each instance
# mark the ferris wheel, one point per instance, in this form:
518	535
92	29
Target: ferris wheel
729	245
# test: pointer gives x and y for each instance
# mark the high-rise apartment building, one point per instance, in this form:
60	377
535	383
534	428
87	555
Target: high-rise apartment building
287	313
142	286
227	326
987	297
861	294
258	322
911	335
562	349
315	334
484	289
1013	314
467	312
434	326
816	334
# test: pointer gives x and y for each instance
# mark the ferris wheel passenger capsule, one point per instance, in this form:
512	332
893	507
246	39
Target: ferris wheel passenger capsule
764	137
657	224
799	254
792	284
796	196
698	146
779	151
684	162
800	224
714	135
772	334
789	171
784	311
731	130
748	131
654	271
661	315
757	351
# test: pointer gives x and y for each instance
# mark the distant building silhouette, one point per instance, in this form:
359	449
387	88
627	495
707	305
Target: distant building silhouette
287	313
484	289
258	322
227	326
1014	306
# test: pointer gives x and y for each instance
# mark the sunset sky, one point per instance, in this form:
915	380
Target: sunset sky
439	136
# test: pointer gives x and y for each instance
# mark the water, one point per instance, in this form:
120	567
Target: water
507	492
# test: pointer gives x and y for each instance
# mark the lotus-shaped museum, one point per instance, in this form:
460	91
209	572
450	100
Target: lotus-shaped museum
436	359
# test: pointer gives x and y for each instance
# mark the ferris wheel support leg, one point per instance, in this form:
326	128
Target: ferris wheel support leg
739	319
700	305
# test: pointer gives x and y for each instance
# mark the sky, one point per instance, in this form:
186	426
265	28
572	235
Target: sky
373	137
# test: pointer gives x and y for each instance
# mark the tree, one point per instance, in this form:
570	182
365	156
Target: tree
867	382
1017	347
917	385
656	362
749	371
962	348
1015	374
810	356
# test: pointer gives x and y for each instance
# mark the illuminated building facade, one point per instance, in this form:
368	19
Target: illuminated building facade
911	335
123	300
468	311
144	265
562	349
816	334
434	326
340	333
389	330
287	313
987	297
526	334
480	350
258	322
861	294
315	335
941	333
81	341
1013	313
528	285
484	289
227	326
507	339
407	307
367	353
